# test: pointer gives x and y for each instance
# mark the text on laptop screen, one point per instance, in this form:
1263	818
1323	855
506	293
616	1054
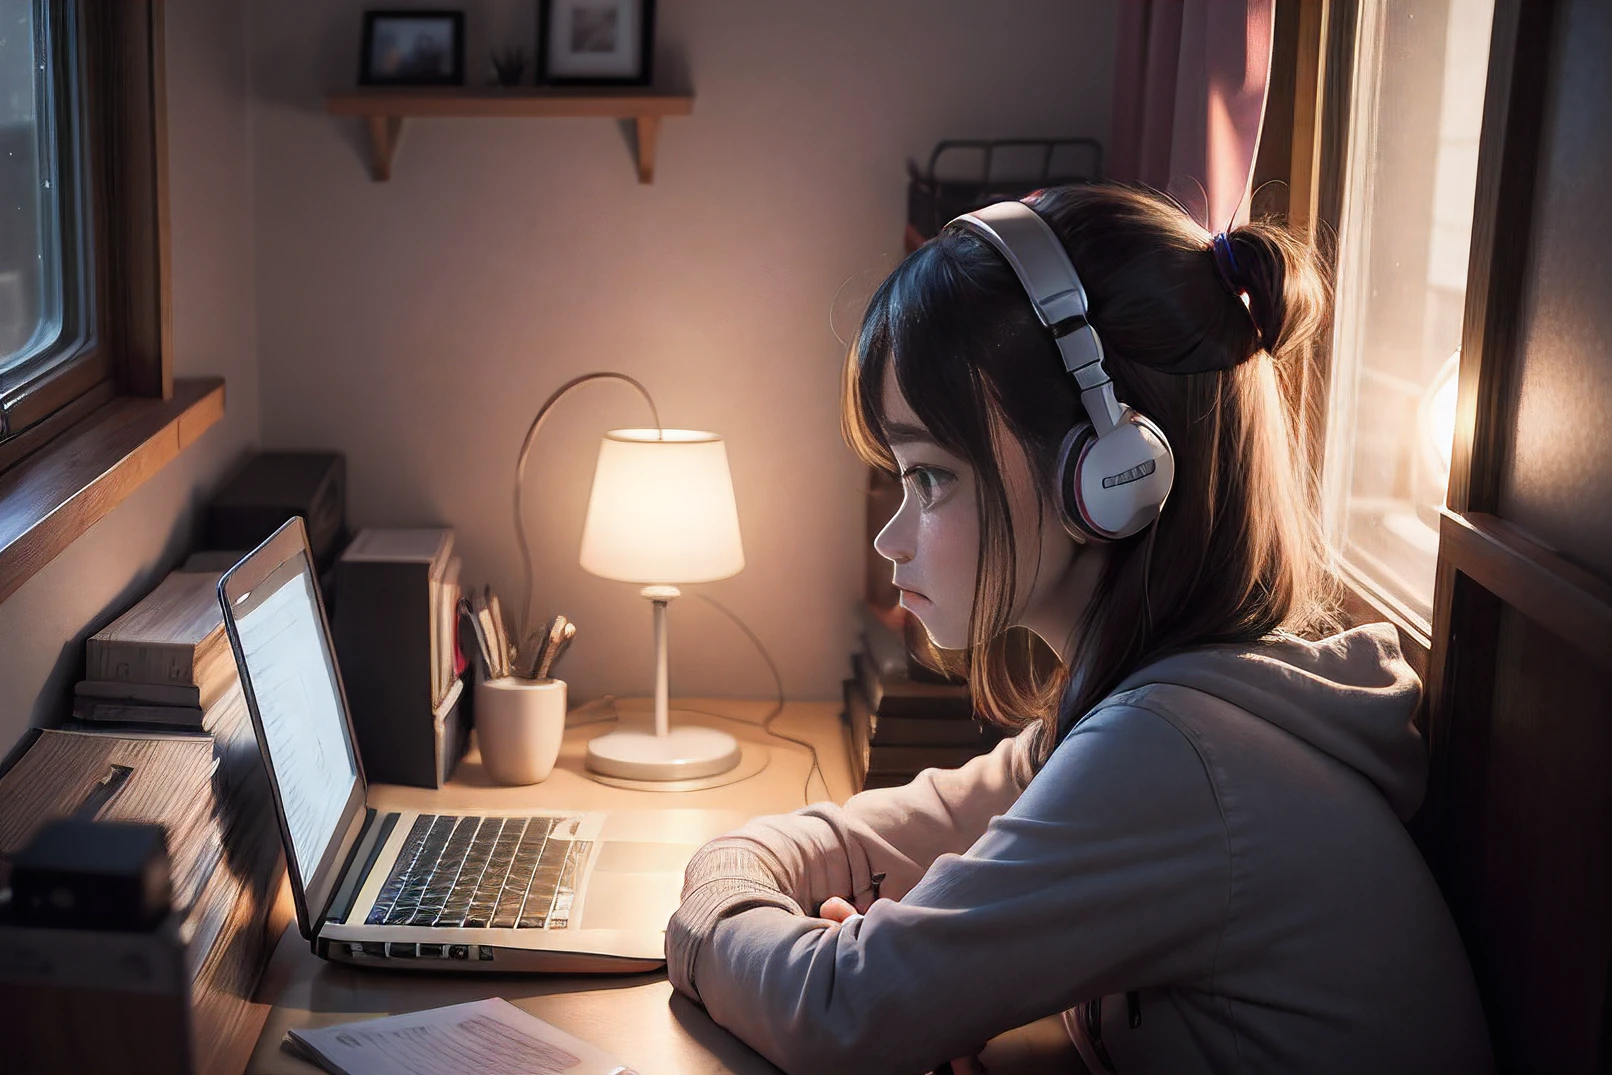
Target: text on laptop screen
298	701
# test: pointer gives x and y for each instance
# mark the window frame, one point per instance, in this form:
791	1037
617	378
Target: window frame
111	415
119	180
1313	76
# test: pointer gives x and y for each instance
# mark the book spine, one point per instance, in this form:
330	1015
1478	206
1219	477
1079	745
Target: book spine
104	711
931	732
881	729
139	662
908	700
179	694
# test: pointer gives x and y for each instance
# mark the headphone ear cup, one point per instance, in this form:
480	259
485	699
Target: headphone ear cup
1122	478
1070	511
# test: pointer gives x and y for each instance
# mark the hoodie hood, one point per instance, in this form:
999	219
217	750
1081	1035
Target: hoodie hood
1351	696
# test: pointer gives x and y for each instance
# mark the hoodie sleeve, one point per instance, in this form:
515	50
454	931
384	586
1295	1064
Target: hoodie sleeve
796	861
1110	873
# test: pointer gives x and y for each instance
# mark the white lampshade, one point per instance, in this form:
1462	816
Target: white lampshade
662	509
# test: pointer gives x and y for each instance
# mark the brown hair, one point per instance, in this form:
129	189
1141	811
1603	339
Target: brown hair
1237	552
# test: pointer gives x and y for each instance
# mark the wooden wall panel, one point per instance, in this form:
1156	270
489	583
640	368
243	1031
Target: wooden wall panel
1539	865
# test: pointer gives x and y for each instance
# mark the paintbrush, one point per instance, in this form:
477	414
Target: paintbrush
559	641
467	609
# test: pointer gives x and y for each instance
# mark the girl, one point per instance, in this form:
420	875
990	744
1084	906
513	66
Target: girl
1193	848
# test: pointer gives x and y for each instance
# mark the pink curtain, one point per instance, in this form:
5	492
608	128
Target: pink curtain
1190	80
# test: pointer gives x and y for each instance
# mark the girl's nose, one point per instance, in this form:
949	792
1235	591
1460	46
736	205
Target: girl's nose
895	542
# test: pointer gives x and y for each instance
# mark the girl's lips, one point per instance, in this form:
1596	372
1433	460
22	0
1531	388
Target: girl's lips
912	595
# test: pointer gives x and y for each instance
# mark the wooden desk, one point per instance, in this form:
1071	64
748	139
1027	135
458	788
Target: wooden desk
637	1017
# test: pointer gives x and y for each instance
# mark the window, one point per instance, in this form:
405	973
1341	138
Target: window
30	257
45	293
1415	113
88	405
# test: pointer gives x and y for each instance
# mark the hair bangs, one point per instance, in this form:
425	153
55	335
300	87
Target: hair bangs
861	390
925	323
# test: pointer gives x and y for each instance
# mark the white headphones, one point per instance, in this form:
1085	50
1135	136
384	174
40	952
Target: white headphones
1114	470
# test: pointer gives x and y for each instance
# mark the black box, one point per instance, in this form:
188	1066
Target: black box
82	874
382	629
273	487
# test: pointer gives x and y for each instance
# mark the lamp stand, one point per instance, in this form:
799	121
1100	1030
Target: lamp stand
668	753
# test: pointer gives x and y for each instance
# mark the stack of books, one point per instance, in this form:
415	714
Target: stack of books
166	661
903	716
166	665
163	673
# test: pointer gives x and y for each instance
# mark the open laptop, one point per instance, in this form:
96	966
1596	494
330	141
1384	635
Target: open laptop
509	890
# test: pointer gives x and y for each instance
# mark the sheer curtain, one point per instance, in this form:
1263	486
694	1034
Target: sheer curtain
1190	80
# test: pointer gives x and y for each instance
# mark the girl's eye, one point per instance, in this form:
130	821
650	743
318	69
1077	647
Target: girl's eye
927	482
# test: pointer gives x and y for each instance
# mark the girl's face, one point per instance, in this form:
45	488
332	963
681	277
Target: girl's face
934	538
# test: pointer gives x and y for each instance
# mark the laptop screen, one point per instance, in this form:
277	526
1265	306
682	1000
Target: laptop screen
293	678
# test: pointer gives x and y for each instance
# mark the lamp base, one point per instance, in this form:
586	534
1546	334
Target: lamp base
684	753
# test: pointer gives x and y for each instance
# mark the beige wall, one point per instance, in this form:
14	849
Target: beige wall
417	325
43	625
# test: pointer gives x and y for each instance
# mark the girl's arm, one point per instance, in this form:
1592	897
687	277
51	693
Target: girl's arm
1110	873
796	861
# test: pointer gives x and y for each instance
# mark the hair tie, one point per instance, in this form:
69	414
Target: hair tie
1226	262
1231	276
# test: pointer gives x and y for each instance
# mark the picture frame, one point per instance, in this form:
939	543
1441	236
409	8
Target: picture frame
413	48
595	42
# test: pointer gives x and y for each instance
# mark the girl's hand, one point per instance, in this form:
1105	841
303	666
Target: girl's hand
836	909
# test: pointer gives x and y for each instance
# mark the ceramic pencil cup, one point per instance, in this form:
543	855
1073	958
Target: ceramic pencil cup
519	725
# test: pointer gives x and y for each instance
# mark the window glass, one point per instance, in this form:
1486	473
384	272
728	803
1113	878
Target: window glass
1416	111
30	221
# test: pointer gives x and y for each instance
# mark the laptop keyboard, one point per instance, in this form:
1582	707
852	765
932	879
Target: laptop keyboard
476	872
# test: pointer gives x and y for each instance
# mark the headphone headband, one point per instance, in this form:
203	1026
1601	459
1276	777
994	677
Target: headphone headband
1048	277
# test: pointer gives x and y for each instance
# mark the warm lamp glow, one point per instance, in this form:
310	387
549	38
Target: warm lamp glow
662	509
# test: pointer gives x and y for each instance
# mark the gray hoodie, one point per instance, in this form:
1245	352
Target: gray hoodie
1210	873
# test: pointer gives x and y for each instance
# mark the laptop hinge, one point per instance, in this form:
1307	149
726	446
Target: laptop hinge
360	860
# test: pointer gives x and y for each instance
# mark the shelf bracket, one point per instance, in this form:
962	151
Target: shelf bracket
384	110
646	129
384	131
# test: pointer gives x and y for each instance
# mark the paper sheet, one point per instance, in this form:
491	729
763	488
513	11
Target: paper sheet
488	1037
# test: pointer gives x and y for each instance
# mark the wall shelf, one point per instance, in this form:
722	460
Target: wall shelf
384	111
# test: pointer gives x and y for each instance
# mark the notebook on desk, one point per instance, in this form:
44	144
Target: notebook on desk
527	890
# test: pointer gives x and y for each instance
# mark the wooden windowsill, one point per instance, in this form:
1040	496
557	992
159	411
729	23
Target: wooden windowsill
52	497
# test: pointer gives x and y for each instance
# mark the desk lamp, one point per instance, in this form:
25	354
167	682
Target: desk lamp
662	513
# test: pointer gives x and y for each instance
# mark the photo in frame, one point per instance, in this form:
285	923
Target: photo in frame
413	48
595	42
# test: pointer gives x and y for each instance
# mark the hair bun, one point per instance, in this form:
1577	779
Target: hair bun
1252	264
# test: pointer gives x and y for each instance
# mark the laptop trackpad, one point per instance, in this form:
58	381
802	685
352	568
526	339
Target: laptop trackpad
643	856
636	901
